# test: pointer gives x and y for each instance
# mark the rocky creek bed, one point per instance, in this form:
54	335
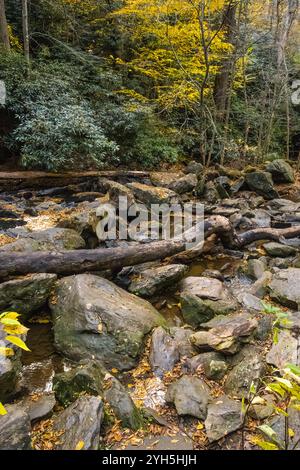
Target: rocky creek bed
162	354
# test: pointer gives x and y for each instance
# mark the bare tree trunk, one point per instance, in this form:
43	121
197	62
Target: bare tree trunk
25	30
223	78
282	36
4	36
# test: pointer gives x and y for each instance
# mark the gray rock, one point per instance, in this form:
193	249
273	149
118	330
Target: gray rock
279	250
87	377
259	218
224	416
94	318
80	422
281	171
15	429
255	268
211	193
277	423
26	295
202	298
194	167
264	328
39	408
168	348
240	378
190	396
212	364
186	184
250	302
164	179
204	288
56	239
120	401
260	287
152	281
284	287
82	221
9	370
261	182
226	334
281	263
285	351
116	190
153	195
262	411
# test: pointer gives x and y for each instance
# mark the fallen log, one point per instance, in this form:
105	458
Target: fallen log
266	234
35	180
79	261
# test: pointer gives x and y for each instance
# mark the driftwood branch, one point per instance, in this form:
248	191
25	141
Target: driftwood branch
79	261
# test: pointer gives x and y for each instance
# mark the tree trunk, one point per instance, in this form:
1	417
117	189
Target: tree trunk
223	78
4	36
25	30
80	261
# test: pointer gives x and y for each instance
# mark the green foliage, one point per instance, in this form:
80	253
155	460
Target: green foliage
58	136
67	119
286	390
280	319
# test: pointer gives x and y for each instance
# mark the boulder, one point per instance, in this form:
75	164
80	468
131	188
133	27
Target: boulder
83	221
250	369
87	377
15	429
26	295
212	364
39	407
224	416
151	282
255	268
56	239
91	378
94	318
261	182
284	287
279	250
285	351
281	171
80	423
250	302
262	408
190	396
194	167
115	190
121	403
9	370
202	298
226	334
183	185
153	195
164	179
167	348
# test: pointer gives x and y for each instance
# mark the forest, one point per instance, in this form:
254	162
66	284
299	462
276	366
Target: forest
150	225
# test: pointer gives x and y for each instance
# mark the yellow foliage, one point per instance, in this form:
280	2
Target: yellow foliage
169	39
11	325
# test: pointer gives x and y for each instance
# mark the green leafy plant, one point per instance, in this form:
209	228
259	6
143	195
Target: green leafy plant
286	390
280	319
